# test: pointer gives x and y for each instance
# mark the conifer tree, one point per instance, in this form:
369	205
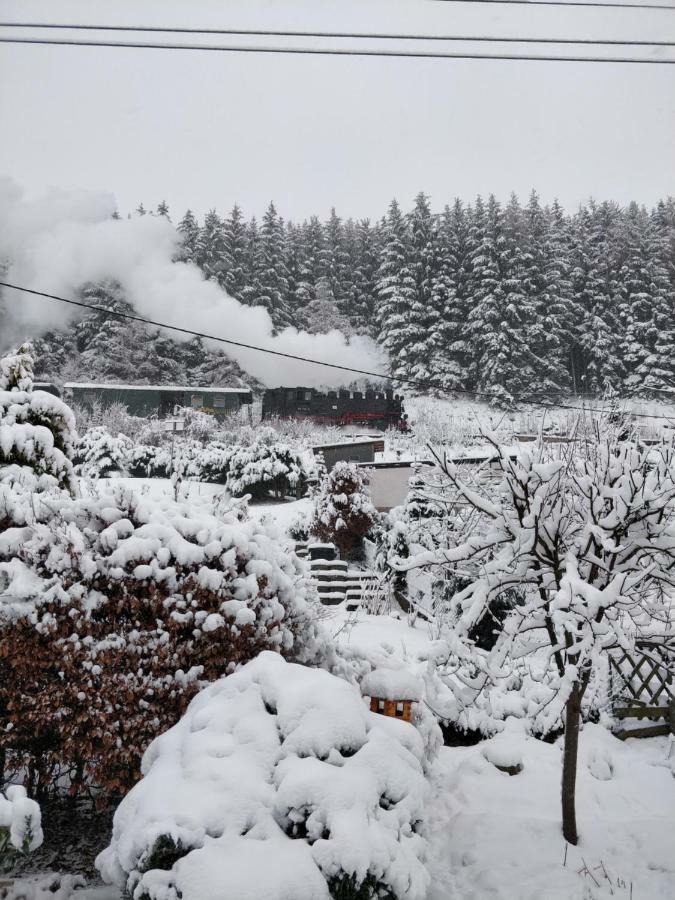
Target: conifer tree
210	251
274	274
234	253
396	294
188	228
451	291
500	363
423	315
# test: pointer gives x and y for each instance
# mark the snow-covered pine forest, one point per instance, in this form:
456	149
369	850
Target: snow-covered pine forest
519	299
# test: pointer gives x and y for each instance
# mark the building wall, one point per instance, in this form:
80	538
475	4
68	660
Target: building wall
358	453
388	486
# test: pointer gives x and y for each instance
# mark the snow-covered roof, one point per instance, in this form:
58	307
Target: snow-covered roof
88	385
391	684
356	442
481	454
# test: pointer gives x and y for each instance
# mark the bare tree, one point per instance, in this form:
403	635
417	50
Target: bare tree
587	532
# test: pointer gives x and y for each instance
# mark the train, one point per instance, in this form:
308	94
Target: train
380	409
375	409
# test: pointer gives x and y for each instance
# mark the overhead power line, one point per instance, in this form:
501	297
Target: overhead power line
341	35
426	384
337	51
592	4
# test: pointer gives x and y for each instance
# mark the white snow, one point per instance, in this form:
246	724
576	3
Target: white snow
278	770
20	818
495	837
391	684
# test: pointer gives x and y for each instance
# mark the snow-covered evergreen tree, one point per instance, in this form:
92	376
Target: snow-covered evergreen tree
343	511
211	248
234	253
188	228
273	273
37	430
396	294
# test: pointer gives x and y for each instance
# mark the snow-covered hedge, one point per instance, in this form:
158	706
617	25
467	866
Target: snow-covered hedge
115	609
277	783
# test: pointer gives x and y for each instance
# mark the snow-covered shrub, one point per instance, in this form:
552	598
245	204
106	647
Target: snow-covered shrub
99	453
121	608
264	469
114	416
197	425
299	528
278	783
343	511
148	461
20	824
213	462
37	430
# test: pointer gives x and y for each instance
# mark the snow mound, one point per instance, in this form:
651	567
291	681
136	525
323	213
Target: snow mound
20	820
277	784
505	750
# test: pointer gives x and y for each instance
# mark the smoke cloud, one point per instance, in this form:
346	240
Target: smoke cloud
58	241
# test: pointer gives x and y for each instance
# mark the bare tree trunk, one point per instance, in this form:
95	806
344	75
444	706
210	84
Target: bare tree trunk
569	772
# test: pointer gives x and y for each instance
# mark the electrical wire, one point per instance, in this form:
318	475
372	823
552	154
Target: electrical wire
337	51
426	384
341	35
593	4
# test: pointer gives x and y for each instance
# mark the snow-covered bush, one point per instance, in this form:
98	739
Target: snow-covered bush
278	783
213	462
99	453
148	461
117	610
114	416
37	430
264	469
298	530
20	824
198	425
343	511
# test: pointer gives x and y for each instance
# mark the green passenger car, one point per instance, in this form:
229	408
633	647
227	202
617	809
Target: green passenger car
159	400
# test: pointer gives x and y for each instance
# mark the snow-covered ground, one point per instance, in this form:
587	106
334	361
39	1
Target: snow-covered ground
498	837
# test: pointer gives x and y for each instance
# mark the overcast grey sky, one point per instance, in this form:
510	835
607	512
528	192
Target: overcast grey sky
205	129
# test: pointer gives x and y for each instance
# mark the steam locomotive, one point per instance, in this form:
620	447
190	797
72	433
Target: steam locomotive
371	408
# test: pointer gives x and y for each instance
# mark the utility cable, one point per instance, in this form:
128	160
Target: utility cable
426	384
592	4
337	51
341	35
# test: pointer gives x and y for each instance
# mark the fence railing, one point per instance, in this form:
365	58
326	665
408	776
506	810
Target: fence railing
643	685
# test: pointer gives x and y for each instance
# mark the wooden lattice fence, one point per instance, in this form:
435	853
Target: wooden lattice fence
643	685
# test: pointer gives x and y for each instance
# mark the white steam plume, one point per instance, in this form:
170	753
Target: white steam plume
62	239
